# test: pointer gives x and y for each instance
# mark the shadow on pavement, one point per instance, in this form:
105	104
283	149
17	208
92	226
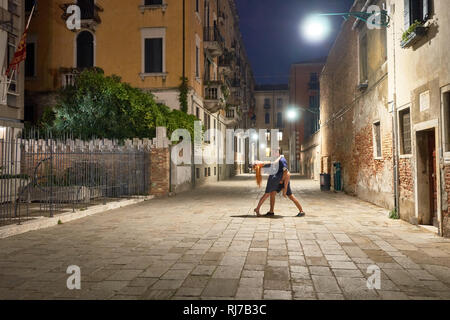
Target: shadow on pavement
253	216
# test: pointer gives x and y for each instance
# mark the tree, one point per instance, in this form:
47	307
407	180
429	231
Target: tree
105	107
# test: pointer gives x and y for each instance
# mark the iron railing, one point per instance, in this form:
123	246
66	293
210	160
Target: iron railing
44	177
212	34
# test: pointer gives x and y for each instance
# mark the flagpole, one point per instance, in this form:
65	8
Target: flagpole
8	82
31	15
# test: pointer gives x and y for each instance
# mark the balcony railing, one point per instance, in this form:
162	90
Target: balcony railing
213	41
212	34
214	97
68	76
236	83
230	114
226	60
6	20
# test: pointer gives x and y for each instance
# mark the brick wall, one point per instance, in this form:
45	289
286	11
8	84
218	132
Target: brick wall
446	213
406	180
160	171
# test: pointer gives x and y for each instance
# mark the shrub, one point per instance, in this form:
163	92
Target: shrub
105	107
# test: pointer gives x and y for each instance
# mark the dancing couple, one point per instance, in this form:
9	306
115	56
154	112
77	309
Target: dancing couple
277	182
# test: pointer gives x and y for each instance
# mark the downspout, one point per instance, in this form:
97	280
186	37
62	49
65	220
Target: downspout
395	134
184	39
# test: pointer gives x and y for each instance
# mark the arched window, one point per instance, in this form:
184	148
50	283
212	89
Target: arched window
267	118
85	50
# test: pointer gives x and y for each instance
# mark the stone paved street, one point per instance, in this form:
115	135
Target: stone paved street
206	244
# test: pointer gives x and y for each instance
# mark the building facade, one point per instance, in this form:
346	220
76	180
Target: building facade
151	44
385	101
304	94
419	96
355	123
272	102
12	88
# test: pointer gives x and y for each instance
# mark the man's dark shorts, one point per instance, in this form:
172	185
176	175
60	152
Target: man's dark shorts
279	188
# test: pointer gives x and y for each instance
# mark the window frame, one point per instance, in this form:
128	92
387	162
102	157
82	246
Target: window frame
445	92
33	41
375	142
144	6
267	118
400	145
94	41
280	120
153	33
363	62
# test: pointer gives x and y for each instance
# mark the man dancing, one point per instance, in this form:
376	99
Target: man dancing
280	181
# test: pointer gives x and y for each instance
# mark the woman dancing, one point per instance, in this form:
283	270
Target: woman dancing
280	181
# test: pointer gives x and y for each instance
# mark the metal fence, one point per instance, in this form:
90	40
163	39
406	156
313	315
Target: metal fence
42	177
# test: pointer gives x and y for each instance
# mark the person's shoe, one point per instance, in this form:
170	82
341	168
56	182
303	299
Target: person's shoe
270	214
301	214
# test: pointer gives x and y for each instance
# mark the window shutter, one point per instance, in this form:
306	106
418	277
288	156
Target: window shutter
426	9
407	14
153	55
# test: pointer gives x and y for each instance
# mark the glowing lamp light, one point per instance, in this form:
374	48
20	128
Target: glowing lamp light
255	136
292	114
316	28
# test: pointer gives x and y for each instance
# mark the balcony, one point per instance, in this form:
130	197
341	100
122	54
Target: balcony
236	83
68	76
226	64
214	96
213	41
90	17
6	20
231	116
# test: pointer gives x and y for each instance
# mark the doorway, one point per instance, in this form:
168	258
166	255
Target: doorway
427	191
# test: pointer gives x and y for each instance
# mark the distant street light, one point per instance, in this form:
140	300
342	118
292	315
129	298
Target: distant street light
292	114
255	136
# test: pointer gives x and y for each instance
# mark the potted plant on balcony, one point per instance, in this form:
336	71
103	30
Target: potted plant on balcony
416	31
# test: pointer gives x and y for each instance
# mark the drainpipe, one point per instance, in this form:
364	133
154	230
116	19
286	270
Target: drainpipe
184	38
395	133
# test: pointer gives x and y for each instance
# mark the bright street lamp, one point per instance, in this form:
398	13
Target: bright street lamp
316	28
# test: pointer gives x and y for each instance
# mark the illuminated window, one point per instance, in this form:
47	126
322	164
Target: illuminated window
280	136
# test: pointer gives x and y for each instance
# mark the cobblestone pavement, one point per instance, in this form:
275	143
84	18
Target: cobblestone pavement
206	244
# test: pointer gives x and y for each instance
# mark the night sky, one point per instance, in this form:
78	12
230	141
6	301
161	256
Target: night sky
271	32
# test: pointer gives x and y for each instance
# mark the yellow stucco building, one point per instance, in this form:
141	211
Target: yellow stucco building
151	44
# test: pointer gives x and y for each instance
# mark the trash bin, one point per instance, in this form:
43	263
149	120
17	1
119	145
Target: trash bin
325	182
337	176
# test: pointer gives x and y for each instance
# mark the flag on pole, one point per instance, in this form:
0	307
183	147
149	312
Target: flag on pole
20	54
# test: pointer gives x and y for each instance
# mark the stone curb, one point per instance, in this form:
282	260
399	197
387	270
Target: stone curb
43	222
